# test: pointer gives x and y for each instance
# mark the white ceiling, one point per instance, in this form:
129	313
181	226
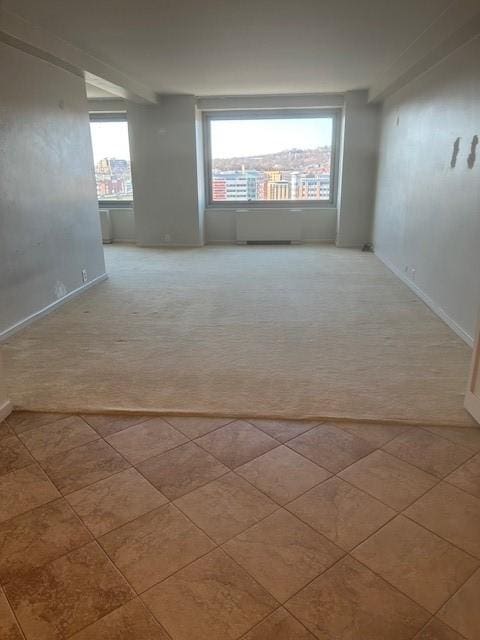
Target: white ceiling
226	47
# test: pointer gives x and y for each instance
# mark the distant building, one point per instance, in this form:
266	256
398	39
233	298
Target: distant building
279	190
243	185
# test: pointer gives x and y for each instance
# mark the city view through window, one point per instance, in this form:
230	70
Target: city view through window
271	159
111	155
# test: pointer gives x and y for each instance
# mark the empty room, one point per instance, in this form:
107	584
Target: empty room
239	320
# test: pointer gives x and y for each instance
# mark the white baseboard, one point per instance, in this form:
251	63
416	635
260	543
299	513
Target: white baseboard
461	333
169	245
6	409
50	307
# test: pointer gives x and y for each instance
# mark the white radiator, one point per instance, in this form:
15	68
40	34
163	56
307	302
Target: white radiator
106	224
265	226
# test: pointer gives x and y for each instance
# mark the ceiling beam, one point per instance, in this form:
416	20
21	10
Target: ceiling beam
32	39
456	26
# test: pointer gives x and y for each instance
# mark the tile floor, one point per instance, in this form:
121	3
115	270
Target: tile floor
141	528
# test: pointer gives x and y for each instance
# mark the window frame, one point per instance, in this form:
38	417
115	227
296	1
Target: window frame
112	116
263	114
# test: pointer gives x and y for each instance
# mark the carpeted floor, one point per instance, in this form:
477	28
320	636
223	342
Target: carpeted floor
291	332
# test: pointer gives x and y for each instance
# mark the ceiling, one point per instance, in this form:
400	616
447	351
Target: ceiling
241	47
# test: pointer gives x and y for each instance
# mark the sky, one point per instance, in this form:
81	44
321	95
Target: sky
229	138
233	138
110	140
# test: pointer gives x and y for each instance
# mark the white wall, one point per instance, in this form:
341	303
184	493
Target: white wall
358	163
427	214
318	225
49	226
123	225
164	170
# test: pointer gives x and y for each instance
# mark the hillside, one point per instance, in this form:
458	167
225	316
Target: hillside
288	160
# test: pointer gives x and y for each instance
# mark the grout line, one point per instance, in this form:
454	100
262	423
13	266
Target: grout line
12	610
279	506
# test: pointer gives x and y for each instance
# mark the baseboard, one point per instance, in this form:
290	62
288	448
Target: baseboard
18	326
169	245
461	333
230	243
6	409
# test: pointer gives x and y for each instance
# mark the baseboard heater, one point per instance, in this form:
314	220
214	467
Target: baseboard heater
272	227
106	224
268	242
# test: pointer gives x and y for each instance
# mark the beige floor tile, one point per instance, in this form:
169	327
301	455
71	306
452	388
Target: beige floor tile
23	490
194	427
132	621
5	431
13	455
375	434
452	514
146	440
282	474
282	553
181	470
226	507
467	437
9	629
154	546
21	421
419	563
467	477
341	512
462	612
108	424
67	594
280	625
389	479
283	430
331	447
428	451
349	602
211	599
58	437
39	536
237	443
79	467
109	503
436	630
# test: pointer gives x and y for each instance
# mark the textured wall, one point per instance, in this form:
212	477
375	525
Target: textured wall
49	226
358	163
427	215
164	170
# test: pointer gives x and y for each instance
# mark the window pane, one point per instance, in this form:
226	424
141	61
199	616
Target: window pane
111	155
271	159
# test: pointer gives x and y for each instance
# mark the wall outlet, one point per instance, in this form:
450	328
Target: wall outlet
167	237
84	275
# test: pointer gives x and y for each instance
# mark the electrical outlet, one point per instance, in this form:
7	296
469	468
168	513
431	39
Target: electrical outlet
167	237
84	275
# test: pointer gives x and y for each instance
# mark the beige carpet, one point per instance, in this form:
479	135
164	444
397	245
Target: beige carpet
306	331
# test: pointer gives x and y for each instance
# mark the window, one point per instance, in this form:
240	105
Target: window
111	155
271	157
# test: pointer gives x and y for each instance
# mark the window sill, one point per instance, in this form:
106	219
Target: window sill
270	209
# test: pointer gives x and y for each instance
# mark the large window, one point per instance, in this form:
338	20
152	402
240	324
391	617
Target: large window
111	155
271	157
